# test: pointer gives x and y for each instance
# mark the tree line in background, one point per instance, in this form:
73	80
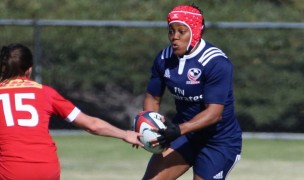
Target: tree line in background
104	70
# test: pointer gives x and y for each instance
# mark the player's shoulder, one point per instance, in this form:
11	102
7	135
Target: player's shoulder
49	90
165	53
212	54
48	87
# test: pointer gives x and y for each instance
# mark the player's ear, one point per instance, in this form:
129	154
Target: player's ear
28	72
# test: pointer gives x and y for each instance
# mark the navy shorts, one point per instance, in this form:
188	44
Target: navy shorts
208	160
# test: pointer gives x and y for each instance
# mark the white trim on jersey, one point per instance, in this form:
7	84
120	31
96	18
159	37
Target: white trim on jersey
181	65
72	116
237	159
209	54
167	53
197	50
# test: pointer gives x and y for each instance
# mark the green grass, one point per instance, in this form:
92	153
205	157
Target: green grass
272	150
86	157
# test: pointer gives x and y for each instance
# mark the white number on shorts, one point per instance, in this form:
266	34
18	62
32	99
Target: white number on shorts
19	106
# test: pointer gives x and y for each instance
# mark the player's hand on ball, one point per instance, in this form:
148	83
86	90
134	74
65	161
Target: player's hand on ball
132	137
170	133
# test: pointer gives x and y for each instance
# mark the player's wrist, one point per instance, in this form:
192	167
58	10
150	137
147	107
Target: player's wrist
169	134
174	132
125	135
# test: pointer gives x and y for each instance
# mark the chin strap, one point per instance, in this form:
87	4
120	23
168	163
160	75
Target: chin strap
192	47
189	50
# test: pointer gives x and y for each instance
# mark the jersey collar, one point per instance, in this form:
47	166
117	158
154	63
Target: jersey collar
196	51
182	61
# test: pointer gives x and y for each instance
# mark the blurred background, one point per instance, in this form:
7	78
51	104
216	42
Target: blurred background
98	53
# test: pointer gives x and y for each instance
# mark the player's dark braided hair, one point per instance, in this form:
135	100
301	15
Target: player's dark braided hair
15	60
203	21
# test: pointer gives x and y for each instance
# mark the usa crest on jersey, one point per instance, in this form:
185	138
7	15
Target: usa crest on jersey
193	74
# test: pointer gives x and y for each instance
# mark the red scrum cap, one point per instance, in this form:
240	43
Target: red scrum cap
191	17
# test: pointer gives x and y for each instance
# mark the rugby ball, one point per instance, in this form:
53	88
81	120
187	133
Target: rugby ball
143	122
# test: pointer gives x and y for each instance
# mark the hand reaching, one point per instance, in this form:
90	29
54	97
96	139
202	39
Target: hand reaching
132	137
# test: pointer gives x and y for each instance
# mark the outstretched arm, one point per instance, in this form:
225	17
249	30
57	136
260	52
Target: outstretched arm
100	127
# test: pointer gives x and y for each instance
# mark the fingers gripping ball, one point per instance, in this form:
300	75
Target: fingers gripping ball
143	123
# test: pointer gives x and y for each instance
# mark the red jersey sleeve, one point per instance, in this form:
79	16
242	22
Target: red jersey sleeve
60	105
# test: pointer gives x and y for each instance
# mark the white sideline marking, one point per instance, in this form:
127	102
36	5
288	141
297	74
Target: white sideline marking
246	135
261	135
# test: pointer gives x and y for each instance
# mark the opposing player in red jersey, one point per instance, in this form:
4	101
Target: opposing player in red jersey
27	150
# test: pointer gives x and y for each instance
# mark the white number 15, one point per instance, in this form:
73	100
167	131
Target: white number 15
19	106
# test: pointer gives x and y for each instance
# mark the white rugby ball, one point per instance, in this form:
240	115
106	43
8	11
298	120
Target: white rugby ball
143	123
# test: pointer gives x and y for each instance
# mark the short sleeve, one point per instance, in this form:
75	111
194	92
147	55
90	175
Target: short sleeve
62	106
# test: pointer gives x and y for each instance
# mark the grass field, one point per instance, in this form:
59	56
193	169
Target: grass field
87	157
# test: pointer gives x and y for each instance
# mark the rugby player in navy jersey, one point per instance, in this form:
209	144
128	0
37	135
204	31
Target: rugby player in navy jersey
204	134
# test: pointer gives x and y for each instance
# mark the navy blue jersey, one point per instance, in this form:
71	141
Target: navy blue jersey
203	77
